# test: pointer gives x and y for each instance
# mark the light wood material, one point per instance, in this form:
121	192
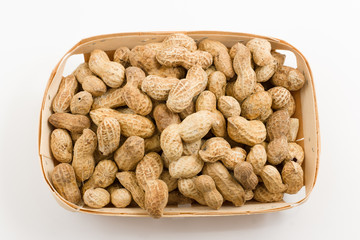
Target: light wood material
306	111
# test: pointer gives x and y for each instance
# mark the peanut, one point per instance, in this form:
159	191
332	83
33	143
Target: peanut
128	180
229	106
133	97
180	40
171	182
206	185
170	142
207	101
187	188
156	197
176	198
120	197
290	106
131	124
112	73
210	70
244	173
108	134
229	188
157	87
63	178
81	103
293	131
272	179
264	73
96	198
293	176
121	55
73	123
111	99
220	53
289	78
181	95
260	49
192	148
217	84
261	194
65	93
187	111
296	153
130	153
152	144
246	77
61	145
259	88
149	168
257	106
89	81
278	127
280	97
257	157
249	194
246	132
164	117
186	167
83	160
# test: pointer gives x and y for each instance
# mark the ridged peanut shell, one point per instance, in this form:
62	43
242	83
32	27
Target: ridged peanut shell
120	197
280	97
121	55
111	99
293	176
192	148
187	188
171	182
130	153
65	93
196	126
272	179
294	128
68	121
108	134
214	149
296	153
244	173
61	145
289	78
260	49
233	157
63	178
89	81
206	185
128	180
261	194
170	142
257	157
290	107
217	83
105	173
164	117
152	144
96	198
278	124
176	198
180	40
156	197
157	87
264	73
186	167
277	150
149	168
256	106
81	103
229	106
246	132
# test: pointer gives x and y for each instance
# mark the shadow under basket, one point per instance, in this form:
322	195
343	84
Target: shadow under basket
306	111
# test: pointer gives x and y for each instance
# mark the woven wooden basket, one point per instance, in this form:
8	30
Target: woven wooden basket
306	111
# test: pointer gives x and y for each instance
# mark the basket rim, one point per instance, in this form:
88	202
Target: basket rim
73	207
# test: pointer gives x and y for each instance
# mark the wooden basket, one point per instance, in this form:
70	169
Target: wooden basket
306	111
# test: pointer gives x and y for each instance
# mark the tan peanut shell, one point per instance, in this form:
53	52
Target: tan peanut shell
246	132
264	73
112	73
96	198
164	117
149	168
293	176
187	188
220	54
157	87
171	182
272	179
280	97
192	148
246	77
290	107
257	157
229	106
63	178
176	198
249	194
120	197
229	89
156	197
206	185
244	173
187	111
128	180
293	131
61	145
166	161
132	95
289	78
131	124
236	155
81	103
210	70
180	56
259	88
152	144
196	126
130	153
68	121
186	167
261	194
121	55
180	40
108	134
182	94
217	84
170	142
111	99
229	188
296	153
83	156
89	81
256	106
260	49
65	93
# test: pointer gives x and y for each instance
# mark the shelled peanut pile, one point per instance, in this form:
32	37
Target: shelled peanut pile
176	123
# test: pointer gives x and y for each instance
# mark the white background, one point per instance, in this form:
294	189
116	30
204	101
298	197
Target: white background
36	34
